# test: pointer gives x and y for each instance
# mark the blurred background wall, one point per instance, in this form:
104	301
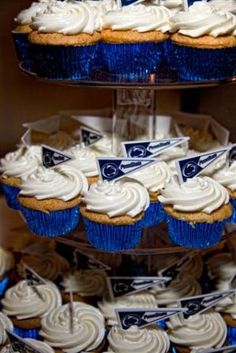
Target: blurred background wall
23	99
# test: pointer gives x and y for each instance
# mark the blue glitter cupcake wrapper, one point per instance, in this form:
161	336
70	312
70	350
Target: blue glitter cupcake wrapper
204	64
113	238
154	215
233	217
133	59
3	285
195	236
21	45
26	333
52	224
231	335
63	62
11	193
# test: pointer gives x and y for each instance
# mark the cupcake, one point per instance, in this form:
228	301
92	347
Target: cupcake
227	177
200	331
7	264
26	306
88	330
153	178
86	285
50	199
23	28
227	308
148	340
85	160
204	52
48	265
182	287
138	300
38	345
64	41
5	323
196	211
133	39
113	214
16	166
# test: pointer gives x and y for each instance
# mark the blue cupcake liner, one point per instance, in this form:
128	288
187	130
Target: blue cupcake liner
52	224
196	64
231	335
26	333
154	215
3	285
63	62
21	45
113	238
11	193
132	59
194	236
233	217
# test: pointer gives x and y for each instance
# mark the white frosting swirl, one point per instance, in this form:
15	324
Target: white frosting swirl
200	331
5	323
229	5
182	287
88	328
117	199
203	19
138	18
138	300
23	301
154	177
41	346
68	18
64	182
6	261
48	264
173	153
198	194
148	340
25	16
85	160
86	283
227	176
21	163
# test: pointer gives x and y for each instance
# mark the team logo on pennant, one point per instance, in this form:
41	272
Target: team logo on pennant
150	148
89	137
143	317
232	155
192	166
198	304
129	2
52	157
119	286
117	168
19	345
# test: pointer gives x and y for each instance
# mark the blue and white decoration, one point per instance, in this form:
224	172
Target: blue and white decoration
190	167
89	137
52	157
232	154
198	304
116	168
150	148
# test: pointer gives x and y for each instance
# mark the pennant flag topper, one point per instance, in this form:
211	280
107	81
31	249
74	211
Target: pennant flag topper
52	157
143	317
33	279
150	148
117	168
226	349
89	137
232	154
198	304
19	345
119	286
192	166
